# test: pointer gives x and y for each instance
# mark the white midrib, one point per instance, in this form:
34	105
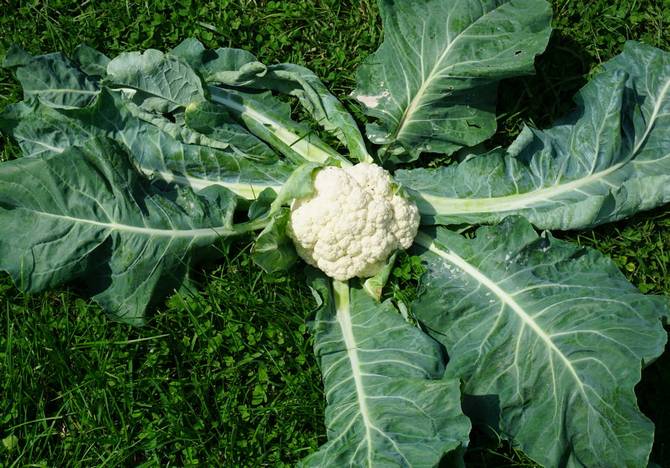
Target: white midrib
152	232
407	116
416	100
299	144
435	204
62	90
247	191
432	204
343	317
427	242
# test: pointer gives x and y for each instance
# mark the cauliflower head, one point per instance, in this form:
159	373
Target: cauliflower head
352	222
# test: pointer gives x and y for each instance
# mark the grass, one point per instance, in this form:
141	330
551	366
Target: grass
224	373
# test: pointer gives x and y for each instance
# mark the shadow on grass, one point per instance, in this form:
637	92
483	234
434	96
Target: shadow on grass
539	100
653	398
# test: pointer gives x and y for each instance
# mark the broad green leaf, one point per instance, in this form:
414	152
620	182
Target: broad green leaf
163	82
388	404
432	83
220	65
52	79
326	109
159	155
235	67
554	330
262	205
270	120
90	61
299	185
212	120
155	151
191	50
38	129
374	285
221	133
16	56
608	160
273	250
170	75
87	214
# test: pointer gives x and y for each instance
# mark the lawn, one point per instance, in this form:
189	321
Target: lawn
224	373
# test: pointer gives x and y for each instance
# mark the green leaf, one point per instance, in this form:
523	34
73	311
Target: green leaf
191	51
326	109
87	214
432	83
90	61
553	329
52	79
273	250
374	285
270	120
16	56
262	205
10	443
299	185
155	150
608	160
388	404
219	65
212	120
38	129
164	82
239	68
226	135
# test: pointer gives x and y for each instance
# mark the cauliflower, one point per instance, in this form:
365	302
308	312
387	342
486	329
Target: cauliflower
353	221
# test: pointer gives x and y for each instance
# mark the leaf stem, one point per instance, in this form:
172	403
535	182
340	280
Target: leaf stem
253	225
275	133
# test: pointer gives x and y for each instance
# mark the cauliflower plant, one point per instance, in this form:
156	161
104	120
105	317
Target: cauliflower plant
353	221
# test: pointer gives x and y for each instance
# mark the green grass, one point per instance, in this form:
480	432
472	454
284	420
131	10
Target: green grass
224	373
